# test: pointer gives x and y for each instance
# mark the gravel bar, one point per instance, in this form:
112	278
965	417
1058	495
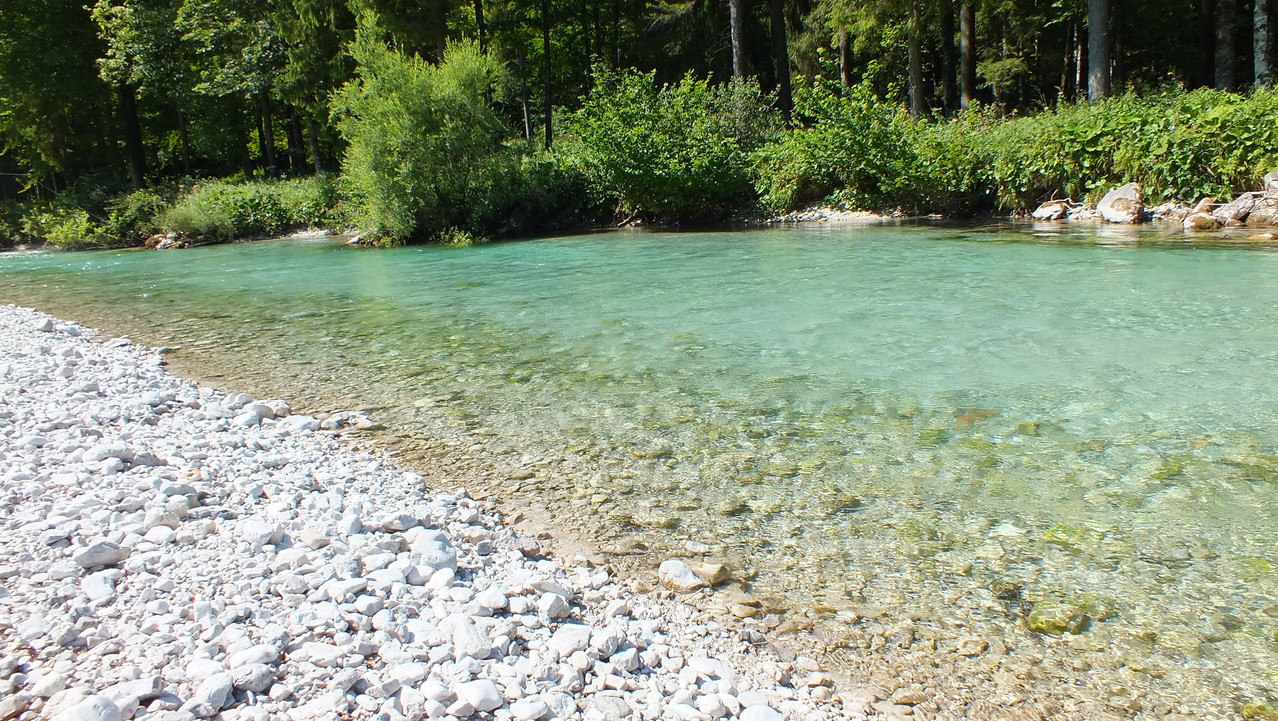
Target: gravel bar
171	552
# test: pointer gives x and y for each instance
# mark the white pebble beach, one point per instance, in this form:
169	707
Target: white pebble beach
172	552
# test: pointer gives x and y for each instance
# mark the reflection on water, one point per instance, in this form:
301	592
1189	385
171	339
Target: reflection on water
899	418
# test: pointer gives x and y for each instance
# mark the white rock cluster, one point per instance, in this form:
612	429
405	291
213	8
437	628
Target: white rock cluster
174	553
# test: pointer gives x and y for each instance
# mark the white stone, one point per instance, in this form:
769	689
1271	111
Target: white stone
93	708
323	654
481	694
255	677
553	606
261	653
100	586
257	532
469	640
110	449
492	599
529	709
211	696
135	691
760	713
568	639
101	553
679	576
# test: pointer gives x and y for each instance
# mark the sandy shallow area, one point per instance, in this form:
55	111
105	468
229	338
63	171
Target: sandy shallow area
175	552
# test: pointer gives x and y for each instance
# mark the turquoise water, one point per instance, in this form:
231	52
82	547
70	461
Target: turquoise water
864	416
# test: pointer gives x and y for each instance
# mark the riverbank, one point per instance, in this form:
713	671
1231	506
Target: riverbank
191	554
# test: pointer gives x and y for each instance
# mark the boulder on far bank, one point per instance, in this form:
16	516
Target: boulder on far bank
1052	210
1236	211
1270	182
1124	204
1202	221
1264	212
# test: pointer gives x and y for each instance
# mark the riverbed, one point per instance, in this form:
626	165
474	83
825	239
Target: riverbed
906	440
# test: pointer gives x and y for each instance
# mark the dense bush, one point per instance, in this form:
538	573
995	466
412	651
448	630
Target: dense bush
426	152
853	150
676	152
63	225
859	152
1175	144
220	210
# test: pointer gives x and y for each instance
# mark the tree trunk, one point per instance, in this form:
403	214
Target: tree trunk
521	63
949	90
1117	52
439	27
1080	61
918	103
1067	69
480	26
967	53
312	138
133	146
736	22
1264	71
781	55
266	136
845	58
615	34
546	68
1226	12
1097	49
296	156
185	134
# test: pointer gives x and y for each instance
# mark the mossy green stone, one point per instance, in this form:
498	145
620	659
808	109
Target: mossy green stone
933	437
1056	618
1259	711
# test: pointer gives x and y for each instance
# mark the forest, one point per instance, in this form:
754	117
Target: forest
455	120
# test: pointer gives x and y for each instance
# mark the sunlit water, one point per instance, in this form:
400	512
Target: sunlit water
882	416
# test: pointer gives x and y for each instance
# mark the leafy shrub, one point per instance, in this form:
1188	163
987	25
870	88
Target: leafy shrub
860	152
223	210
63	225
679	151
853	149
425	149
131	217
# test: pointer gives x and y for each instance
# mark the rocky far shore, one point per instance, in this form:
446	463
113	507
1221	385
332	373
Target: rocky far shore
1125	205
175	553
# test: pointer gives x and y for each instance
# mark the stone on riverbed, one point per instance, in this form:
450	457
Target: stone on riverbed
1201	221
679	576
1054	618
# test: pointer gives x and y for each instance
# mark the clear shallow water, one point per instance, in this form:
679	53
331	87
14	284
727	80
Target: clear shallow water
939	424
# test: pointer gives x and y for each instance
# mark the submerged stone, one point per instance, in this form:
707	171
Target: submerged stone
1056	619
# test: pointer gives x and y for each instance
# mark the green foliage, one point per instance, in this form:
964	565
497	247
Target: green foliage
677	151
130	218
87	215
220	210
854	149
425	147
63	225
1175	144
